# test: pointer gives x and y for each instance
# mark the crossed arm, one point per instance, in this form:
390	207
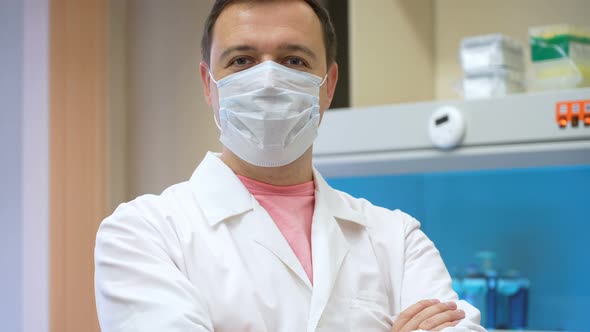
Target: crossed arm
425	277
429	315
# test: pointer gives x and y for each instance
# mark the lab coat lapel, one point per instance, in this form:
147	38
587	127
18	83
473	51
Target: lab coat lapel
270	237
218	191
329	246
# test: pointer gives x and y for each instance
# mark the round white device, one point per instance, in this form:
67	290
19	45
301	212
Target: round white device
446	127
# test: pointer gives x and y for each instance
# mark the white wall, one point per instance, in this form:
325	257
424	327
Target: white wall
35	167
24	166
11	126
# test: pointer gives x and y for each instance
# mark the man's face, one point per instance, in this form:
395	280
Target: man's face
287	32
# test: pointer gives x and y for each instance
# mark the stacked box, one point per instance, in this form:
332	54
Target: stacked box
493	66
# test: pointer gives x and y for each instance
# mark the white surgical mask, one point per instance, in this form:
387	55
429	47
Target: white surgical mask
269	113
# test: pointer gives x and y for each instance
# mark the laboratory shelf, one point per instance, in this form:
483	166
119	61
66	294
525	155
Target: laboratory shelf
517	131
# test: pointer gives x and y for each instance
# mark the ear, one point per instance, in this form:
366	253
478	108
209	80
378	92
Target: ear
206	80
331	81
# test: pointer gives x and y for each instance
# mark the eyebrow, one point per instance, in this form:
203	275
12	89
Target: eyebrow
299	48
286	47
238	48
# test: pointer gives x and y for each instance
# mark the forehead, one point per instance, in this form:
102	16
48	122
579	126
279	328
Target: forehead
266	25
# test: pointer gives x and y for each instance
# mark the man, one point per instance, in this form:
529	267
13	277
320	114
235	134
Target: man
256	240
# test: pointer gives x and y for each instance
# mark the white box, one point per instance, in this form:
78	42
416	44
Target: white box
495	50
492	82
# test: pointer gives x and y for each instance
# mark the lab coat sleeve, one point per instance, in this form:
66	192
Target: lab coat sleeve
139	287
426	277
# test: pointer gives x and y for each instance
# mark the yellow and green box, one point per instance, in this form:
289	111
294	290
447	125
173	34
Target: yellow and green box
560	56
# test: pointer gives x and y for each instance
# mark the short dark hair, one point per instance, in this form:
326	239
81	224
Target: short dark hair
320	11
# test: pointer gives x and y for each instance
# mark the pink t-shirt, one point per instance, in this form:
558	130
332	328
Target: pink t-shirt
291	208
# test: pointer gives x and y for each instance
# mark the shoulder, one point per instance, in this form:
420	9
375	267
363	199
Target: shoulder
151	206
160	205
164	213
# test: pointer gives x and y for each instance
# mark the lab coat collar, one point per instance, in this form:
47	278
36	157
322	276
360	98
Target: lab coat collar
333	201
221	194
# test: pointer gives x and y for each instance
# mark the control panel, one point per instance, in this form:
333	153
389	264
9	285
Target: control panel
572	113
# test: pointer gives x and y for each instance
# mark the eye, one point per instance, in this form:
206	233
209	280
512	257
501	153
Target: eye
295	62
241	61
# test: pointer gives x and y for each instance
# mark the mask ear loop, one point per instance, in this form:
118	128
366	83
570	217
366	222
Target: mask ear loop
322	83
214	117
211	76
216	122
324	80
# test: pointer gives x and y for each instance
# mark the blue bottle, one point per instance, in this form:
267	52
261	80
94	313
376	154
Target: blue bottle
473	288
518	306
475	291
492	283
513	291
491	277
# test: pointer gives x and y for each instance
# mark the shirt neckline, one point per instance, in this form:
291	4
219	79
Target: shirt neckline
261	188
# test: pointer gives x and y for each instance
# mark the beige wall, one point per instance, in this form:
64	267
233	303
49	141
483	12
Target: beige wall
118	108
391	51
455	19
400	51
407	51
163	127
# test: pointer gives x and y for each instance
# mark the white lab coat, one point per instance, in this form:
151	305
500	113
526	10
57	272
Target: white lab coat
205	256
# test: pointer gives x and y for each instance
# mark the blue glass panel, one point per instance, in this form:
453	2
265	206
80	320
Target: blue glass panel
536	220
